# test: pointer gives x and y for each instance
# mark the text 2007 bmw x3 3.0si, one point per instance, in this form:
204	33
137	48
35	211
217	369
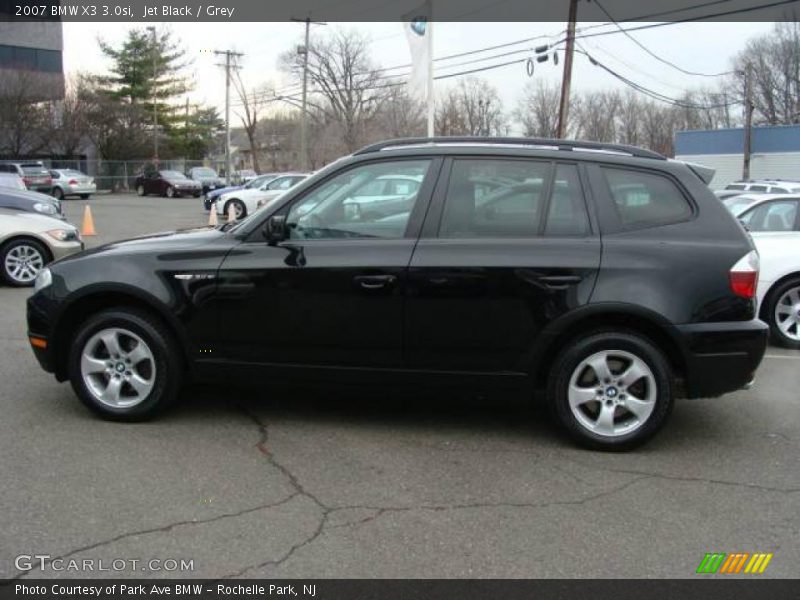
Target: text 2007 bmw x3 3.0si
606	276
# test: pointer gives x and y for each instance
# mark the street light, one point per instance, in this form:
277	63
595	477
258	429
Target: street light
155	110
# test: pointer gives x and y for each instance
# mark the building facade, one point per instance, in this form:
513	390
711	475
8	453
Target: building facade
774	154
31	54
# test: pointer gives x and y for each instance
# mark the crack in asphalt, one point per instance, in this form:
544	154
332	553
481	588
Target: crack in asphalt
298	490
161	529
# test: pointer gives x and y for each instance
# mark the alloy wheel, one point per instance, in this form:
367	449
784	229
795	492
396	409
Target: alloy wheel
787	314
23	262
612	393
118	367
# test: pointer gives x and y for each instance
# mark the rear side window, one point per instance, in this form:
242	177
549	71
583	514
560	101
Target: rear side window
779	215
735	186
566	213
646	199
758	188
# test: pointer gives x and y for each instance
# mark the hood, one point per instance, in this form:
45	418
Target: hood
184	239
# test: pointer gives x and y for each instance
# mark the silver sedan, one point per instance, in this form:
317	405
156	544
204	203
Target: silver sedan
69	182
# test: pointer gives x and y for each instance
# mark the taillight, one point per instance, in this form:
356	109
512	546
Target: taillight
72	182
744	275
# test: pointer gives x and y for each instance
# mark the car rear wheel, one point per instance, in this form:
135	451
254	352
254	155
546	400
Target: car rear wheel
170	192
58	193
611	390
84	196
239	209
124	366
22	260
783	314
140	190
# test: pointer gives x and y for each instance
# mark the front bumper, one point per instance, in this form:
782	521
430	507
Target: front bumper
62	249
721	357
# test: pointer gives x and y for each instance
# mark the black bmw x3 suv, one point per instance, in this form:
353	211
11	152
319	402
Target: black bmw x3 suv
605	276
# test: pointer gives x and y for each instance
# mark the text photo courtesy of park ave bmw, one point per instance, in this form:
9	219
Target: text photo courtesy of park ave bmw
408	299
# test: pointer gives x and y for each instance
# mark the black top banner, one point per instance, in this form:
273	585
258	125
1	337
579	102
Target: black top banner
391	589
398	10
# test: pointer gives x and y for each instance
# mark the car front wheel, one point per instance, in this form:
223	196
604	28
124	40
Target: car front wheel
783	313
140	190
170	192
239	209
611	390
22	260
58	193
124	366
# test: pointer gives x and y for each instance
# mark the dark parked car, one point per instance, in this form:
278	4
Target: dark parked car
166	183
612	280
206	177
36	177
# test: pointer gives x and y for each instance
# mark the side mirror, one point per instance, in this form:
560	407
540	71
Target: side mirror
275	230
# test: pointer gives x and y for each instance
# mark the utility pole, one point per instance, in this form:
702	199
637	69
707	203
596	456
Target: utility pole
748	120
563	108
228	66
304	111
155	108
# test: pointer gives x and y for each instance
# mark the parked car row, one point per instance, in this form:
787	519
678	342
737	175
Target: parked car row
34	176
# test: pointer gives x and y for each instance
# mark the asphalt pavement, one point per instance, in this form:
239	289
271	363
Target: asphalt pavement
269	481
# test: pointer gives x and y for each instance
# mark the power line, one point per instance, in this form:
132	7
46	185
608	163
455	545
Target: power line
653	54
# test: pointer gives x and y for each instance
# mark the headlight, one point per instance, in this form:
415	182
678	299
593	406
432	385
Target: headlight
43	279
45	207
63	235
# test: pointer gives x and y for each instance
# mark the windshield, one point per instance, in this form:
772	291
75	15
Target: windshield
204	172
259	181
34	170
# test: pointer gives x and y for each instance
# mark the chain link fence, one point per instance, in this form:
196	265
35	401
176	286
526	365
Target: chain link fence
120	175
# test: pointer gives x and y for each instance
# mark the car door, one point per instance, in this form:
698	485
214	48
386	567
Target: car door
332	293
494	265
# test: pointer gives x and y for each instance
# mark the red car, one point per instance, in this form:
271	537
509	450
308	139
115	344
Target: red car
167	183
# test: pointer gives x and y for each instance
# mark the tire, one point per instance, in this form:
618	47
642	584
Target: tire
573	382
58	193
170	193
196	194
21	261
85	196
140	190
157	376
782	313
238	207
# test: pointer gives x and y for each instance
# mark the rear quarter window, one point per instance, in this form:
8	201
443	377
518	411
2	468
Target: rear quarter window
643	199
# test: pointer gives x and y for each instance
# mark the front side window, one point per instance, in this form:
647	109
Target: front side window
346	207
646	199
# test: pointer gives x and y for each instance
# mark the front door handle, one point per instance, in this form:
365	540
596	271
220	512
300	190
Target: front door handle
375	282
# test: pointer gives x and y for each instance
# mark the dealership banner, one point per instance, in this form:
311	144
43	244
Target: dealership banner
377	10
379	589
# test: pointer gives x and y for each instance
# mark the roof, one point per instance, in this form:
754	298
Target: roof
780	138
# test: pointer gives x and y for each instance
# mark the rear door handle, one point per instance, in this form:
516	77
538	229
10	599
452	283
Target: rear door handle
375	282
560	282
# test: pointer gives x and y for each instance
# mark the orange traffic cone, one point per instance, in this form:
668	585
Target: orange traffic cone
212	218
231	212
87	228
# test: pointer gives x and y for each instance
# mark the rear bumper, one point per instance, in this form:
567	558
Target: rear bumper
722	357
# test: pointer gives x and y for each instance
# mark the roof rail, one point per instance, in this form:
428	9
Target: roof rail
513	141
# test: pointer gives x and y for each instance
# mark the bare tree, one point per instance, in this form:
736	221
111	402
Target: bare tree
400	115
537	109
69	125
595	115
251	102
473	107
346	86
23	118
774	62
